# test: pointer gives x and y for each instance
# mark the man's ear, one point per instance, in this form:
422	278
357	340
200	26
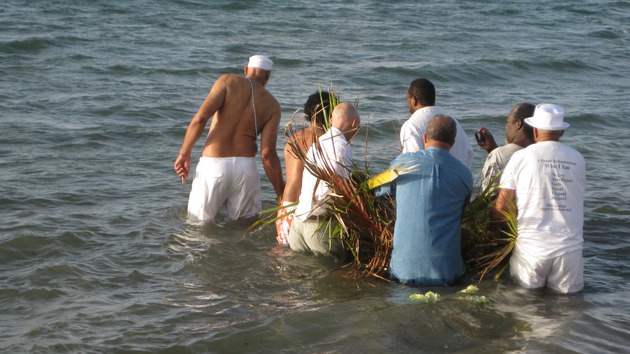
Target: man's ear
519	124
424	138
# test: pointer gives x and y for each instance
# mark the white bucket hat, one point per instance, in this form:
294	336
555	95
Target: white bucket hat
260	61
548	116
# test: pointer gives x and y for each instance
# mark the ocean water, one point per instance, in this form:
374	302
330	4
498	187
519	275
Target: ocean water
96	254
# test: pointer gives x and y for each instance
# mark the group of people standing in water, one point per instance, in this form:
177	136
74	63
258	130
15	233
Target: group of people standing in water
540	178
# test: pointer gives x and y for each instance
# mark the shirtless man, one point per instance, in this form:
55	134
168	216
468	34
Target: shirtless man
316	110
227	173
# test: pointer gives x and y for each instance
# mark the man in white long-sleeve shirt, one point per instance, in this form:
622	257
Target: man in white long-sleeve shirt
421	103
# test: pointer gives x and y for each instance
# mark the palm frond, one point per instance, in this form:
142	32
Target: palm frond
499	249
270	216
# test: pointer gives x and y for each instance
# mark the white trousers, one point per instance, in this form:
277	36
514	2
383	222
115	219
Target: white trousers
564	274
230	181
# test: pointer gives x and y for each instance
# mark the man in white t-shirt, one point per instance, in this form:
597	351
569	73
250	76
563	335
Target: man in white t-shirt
546	183
421	103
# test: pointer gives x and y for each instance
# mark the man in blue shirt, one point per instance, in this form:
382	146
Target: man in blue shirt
429	205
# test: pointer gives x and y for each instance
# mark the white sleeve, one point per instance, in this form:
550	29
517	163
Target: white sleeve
344	164
409	139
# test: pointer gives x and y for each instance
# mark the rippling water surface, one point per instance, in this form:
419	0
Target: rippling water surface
95	251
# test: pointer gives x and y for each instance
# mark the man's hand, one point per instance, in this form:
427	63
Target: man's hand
487	142
182	166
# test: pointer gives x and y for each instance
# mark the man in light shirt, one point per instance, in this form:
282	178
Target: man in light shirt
332	151
430	201
518	135
421	103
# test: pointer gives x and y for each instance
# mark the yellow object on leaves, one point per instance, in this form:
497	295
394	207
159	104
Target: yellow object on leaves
389	175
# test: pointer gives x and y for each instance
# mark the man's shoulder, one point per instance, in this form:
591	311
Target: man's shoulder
570	148
572	155
410	156
455	164
424	115
231	83
274	101
270	101
505	151
230	78
303	136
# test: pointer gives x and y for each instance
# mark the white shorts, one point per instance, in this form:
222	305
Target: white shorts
233	181
283	225
564	274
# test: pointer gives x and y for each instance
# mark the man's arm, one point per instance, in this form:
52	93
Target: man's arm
487	141
506	200
208	108
269	155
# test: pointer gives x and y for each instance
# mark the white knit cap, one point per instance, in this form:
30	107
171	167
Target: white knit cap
260	61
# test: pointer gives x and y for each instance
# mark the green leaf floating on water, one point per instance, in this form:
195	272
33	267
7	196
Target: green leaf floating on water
471	289
429	297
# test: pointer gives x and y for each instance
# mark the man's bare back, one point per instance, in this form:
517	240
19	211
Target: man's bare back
234	127
233	130
294	166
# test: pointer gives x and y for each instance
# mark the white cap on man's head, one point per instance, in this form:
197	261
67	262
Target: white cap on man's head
261	62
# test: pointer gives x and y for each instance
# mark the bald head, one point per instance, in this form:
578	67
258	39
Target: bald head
345	117
441	132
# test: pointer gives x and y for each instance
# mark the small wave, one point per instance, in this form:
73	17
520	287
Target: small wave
606	34
26	46
235	6
32	295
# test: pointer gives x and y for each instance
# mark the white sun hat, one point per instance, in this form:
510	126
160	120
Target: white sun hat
548	116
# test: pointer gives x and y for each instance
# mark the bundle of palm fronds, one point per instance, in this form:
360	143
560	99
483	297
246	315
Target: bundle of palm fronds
367	225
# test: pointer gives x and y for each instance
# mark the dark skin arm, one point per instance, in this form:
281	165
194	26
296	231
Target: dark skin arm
488	142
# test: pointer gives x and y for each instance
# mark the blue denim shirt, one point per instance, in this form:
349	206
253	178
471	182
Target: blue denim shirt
429	205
